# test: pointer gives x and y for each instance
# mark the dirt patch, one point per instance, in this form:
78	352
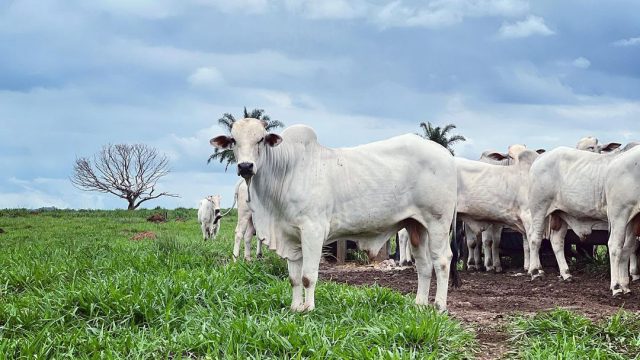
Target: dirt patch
486	300
157	218
144	235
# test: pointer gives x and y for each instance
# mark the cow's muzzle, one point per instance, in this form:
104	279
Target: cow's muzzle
245	170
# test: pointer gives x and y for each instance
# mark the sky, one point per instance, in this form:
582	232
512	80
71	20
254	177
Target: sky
76	75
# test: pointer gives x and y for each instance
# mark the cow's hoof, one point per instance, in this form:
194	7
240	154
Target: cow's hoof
247	258
498	269
635	278
259	256
617	291
297	308
537	274
420	301
442	309
490	268
403	264
471	267
568	279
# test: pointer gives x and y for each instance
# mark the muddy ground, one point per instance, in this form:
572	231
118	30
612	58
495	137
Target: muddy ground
486	300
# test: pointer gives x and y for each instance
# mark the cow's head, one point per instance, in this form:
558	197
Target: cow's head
248	139
590	143
215	201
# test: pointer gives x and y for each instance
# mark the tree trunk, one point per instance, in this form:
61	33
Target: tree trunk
132	204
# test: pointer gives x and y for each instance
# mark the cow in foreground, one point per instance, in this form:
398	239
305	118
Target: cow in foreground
579	189
304	195
209	216
244	227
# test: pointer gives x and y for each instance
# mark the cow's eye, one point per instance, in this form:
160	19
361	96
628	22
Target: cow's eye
261	140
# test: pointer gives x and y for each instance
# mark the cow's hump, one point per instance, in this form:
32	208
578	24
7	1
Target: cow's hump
300	134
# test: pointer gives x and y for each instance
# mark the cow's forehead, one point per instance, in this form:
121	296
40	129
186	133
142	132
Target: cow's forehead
247	128
516	149
587	141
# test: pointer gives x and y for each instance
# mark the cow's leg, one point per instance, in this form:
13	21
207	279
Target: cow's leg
407	253
628	249
440	252
526	252
487	243
424	265
258	248
403	248
295	277
216	228
473	262
239	235
633	264
248	235
496	234
312	240
615	244
535	240
557	242
203	227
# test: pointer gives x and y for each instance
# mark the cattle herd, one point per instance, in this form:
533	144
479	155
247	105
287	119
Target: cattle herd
297	195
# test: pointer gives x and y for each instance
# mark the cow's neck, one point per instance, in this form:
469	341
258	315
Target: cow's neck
271	182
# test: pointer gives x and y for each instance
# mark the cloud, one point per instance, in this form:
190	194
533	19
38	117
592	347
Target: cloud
328	9
634	41
206	77
442	13
532	25
581	63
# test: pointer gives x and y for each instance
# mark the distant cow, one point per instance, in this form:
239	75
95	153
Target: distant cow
209	216
492	195
579	189
244	227
404	248
304	195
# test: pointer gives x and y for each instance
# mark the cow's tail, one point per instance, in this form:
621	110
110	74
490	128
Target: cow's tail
235	199
456	245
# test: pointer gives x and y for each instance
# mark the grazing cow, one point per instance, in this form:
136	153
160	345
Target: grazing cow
209	216
491	197
580	189
304	195
244	228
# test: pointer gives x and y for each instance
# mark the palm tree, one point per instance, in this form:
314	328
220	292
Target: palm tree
440	135
227	120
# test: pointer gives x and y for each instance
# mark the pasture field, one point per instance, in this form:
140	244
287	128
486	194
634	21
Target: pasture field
74	284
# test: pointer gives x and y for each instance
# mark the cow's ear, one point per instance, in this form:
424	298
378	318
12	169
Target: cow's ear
610	146
496	156
541	151
222	142
272	140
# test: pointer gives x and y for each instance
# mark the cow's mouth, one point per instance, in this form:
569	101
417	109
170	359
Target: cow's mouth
246	174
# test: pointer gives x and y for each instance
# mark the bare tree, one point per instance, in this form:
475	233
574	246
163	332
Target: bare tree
126	171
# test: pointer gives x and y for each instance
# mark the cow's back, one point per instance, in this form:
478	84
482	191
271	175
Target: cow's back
205	211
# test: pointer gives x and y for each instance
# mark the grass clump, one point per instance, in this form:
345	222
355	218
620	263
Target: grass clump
562	334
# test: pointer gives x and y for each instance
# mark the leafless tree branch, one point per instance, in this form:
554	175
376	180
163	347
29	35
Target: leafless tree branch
130	172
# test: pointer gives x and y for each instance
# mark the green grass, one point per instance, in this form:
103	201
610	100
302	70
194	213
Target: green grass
561	334
73	285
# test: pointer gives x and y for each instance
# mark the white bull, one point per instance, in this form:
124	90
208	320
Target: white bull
209	216
304	195
580	189
491	197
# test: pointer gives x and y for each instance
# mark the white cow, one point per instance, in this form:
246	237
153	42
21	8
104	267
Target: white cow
304	195
209	216
491	197
244	227
580	189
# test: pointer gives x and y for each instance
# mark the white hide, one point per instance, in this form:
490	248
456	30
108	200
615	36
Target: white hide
404	247
209	216
304	195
